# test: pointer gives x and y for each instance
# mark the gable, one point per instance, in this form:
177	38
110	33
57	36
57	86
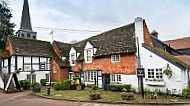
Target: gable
72	50
88	45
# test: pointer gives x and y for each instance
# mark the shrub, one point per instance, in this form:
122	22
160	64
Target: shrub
52	84
115	87
43	82
66	85
57	86
77	78
94	87
186	91
94	95
35	84
23	83
127	87
78	87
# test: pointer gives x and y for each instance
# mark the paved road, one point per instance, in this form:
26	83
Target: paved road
23	99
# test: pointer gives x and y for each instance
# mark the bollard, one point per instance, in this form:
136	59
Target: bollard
48	91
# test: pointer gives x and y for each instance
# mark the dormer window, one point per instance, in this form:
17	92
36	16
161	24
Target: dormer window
73	59
115	58
63	58
89	56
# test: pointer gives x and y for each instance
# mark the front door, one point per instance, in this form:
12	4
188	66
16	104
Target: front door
106	81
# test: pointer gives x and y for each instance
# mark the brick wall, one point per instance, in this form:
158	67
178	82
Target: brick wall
56	50
147	38
126	66
61	73
8	46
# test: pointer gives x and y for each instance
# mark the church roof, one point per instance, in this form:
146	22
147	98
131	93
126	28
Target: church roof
37	48
25	19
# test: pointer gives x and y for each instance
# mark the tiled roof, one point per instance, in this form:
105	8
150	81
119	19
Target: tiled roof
31	47
169	56
116	41
185	58
4	53
182	43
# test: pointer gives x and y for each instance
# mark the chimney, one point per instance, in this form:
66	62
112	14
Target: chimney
139	30
154	33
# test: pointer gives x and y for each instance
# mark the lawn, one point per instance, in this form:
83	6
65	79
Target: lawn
108	96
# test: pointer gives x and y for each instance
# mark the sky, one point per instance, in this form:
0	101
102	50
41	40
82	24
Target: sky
170	18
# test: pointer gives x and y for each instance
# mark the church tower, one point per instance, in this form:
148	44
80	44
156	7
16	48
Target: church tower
25	30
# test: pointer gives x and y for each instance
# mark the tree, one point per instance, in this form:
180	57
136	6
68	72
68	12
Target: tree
6	27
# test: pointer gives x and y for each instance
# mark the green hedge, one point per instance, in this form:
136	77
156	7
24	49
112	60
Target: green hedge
119	87
62	85
35	84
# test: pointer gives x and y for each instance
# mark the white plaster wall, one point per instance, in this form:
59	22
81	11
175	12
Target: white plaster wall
39	75
13	64
20	62
150	60
130	79
35	61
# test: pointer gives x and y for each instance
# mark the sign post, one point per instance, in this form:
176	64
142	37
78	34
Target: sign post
141	75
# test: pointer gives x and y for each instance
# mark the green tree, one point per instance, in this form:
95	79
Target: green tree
6	26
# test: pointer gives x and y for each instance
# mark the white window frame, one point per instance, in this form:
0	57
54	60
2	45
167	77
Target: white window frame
90	76
54	69
155	73
115	78
71	75
115	58
63	58
88	55
73	59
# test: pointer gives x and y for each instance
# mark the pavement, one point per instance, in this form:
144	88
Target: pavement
25	99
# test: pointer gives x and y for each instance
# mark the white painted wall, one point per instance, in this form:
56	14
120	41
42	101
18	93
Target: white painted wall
1	83
178	80
130	79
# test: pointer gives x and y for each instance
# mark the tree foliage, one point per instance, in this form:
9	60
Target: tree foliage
6	26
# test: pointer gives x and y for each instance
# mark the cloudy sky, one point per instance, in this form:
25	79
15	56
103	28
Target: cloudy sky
171	18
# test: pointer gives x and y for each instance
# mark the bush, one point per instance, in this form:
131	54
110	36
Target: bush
35	84
57	86
127	95
43	82
186	91
127	87
94	95
115	87
25	84
66	85
94	87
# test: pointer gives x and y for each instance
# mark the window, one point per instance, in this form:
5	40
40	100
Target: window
71	75
42	66
28	77
33	77
118	77
28	35
159	73
63	58
22	35
90	76
115	78
155	73
54	69
115	58
72	58
47	77
88	56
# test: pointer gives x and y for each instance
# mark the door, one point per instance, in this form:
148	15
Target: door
106	81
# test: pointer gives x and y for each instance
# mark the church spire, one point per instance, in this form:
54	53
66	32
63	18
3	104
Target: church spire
25	30
25	20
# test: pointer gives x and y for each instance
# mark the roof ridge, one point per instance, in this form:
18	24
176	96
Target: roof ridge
176	39
12	37
104	33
